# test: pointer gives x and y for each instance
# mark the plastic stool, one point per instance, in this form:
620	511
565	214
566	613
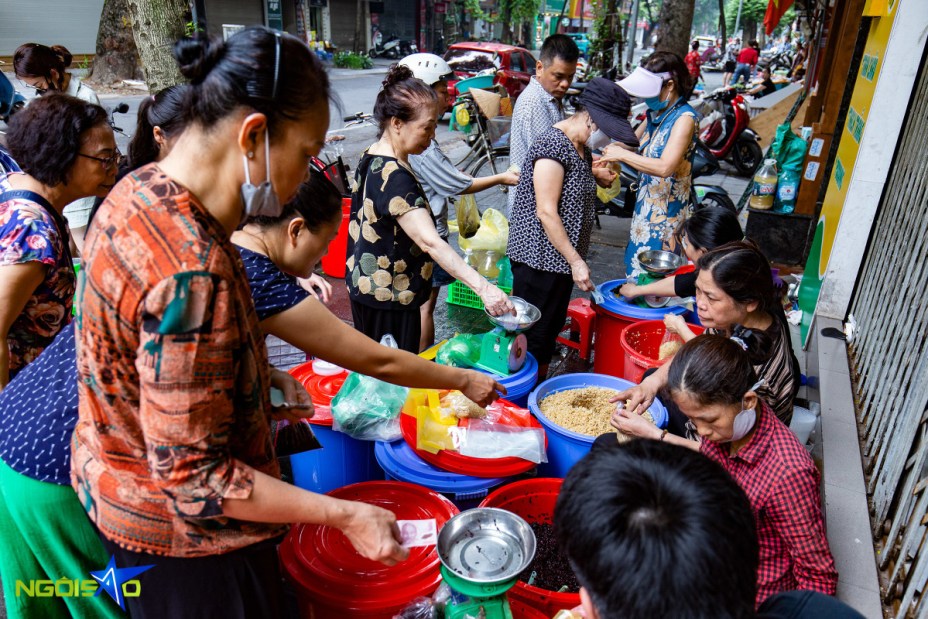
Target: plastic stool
580	319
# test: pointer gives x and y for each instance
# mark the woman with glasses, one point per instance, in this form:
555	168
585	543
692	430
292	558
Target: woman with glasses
67	151
44	69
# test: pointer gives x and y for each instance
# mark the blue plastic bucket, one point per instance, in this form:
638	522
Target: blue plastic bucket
341	461
400	462
565	448
520	384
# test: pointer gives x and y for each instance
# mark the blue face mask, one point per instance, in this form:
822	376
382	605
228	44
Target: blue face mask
655	104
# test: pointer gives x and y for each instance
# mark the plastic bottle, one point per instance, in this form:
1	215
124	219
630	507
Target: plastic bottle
488	267
470	259
504	279
787	188
765	186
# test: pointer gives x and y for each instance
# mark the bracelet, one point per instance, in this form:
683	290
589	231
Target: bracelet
663	434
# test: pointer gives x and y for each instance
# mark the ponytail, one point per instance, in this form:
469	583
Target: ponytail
164	110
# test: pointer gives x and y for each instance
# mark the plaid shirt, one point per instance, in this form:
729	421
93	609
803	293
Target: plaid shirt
782	484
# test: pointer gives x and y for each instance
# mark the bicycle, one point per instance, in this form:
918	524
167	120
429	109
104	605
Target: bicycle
486	157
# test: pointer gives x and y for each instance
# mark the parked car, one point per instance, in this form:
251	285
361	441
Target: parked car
582	41
513	65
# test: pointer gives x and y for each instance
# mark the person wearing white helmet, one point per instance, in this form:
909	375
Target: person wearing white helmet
441	179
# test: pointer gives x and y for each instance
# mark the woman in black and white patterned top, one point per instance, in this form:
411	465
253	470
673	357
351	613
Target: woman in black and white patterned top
553	213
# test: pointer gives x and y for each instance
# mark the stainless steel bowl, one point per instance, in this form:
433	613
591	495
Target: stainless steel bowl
486	545
660	262
526	315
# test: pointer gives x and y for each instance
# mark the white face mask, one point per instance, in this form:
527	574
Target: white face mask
261	200
745	420
598	140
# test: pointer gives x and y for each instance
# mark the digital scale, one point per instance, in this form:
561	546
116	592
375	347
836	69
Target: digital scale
482	552
657	265
503	350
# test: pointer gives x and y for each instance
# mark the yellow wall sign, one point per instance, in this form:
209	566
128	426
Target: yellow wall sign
846	158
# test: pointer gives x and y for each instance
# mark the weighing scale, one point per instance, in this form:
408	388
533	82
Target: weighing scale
657	265
503	349
482	552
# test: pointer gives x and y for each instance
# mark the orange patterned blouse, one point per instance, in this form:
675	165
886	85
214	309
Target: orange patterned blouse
173	372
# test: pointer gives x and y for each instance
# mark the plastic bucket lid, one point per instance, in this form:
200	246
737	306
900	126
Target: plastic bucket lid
533	500
398	460
322	390
519	384
641	341
623	308
324	565
578	381
466	465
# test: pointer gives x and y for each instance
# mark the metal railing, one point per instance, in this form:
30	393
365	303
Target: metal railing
889	362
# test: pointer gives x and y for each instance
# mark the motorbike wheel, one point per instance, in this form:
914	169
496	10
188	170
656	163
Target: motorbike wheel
746	156
372	53
717	200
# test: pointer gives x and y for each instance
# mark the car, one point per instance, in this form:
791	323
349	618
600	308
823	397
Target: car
514	66
582	41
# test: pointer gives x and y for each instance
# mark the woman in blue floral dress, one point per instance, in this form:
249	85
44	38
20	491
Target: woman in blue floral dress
67	151
664	159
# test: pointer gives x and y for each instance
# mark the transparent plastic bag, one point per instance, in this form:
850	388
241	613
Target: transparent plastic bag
670	344
492	235
468	216
485	439
461	351
368	409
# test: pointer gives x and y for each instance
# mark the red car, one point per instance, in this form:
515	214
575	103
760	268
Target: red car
514	66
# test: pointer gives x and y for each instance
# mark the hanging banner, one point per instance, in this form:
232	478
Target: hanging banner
275	16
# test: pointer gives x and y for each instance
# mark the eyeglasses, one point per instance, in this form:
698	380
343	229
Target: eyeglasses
106	162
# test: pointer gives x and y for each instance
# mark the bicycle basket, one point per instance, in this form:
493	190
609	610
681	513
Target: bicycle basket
498	131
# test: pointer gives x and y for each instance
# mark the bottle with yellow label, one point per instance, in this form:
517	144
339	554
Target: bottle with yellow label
765	186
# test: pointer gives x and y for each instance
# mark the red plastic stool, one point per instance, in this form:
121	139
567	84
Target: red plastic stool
580	319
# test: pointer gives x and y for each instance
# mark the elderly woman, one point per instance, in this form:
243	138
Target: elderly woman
713	382
664	159
67	151
393	243
553	213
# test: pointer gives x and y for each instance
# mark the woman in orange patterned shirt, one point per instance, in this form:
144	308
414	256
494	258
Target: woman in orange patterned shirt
172	455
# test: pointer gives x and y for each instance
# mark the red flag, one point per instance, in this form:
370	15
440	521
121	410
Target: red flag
775	10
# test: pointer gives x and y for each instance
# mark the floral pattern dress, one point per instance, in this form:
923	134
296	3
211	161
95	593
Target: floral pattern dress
663	202
31	233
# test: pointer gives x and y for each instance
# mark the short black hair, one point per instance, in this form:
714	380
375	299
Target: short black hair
45	137
317	201
559	46
709	228
656	530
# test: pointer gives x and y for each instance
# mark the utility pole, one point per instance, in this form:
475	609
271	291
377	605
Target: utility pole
738	20
632	29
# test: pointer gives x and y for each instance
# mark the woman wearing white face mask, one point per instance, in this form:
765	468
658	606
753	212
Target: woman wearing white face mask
664	160
714	383
553	213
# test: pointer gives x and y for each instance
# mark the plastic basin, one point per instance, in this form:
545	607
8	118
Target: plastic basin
519	384
565	448
533	500
641	344
334	262
332	580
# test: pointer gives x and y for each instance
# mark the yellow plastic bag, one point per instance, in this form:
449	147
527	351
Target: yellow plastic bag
468	216
492	235
432	424
608	194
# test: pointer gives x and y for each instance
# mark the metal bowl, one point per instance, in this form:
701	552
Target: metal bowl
486	545
526	315
660	262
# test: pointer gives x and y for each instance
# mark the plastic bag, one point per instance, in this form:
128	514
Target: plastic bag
427	608
670	344
432	422
368	409
788	149
461	351
468	216
492	235
608	194
482	438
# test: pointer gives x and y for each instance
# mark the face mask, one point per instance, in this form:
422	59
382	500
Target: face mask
746	419
598	140
655	104
260	201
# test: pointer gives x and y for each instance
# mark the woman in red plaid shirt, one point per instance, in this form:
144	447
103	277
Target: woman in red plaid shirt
712	381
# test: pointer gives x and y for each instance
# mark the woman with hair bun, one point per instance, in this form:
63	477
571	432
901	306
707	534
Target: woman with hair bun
392	240
172	455
44	69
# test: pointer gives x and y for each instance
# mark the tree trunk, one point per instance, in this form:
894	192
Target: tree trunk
117	57
749	26
358	28
722	28
157	25
675	23
506	9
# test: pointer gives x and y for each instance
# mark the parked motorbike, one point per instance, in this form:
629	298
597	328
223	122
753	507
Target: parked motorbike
704	195
392	47
10	100
775	62
726	132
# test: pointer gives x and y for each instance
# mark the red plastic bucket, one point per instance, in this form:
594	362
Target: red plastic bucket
332	580
333	263
641	344
533	500
607	330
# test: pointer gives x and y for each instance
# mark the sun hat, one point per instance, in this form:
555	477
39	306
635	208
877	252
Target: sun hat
609	106
643	83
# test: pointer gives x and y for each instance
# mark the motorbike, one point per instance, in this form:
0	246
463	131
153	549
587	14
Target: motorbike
726	132
393	47
10	100
704	195
775	62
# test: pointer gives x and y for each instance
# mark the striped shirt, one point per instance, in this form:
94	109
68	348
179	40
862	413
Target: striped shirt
174	381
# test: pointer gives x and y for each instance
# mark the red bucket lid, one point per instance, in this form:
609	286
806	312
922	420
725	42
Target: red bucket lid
325	565
322	390
467	465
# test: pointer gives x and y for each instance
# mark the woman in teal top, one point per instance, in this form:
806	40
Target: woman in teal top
664	159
